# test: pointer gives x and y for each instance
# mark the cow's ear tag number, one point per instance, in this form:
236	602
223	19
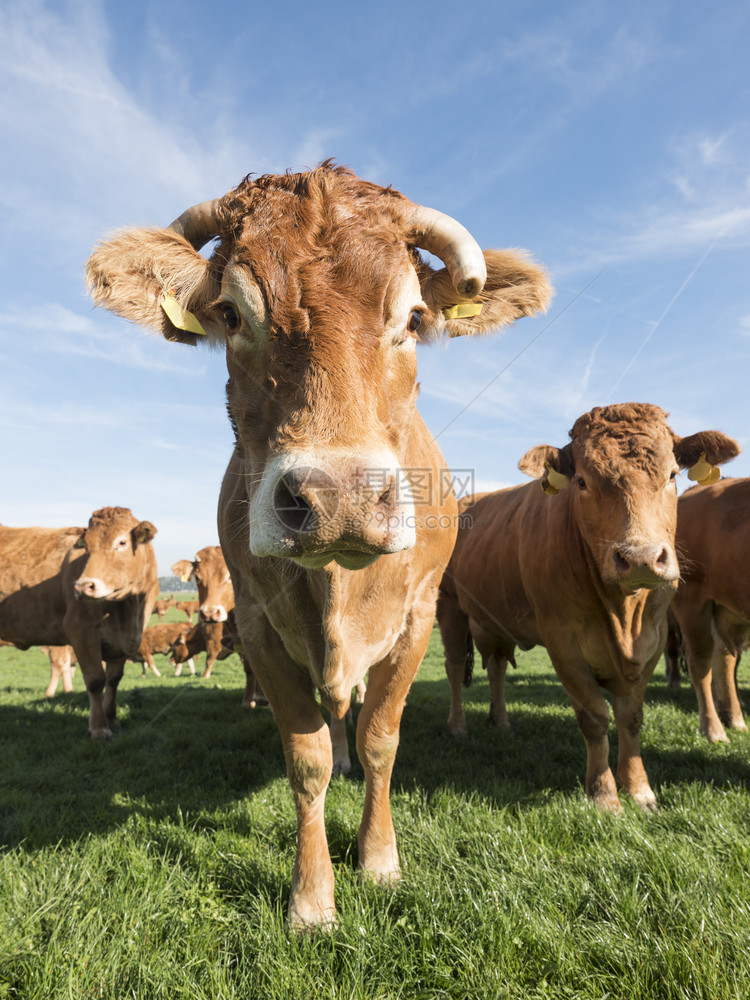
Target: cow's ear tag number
182	318
555	481
703	473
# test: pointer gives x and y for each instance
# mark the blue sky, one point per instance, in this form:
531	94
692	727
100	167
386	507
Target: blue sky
611	140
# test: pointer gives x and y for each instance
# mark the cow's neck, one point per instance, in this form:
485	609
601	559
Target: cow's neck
635	622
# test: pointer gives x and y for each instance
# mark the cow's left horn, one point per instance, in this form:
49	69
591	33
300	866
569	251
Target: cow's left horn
198	224
454	245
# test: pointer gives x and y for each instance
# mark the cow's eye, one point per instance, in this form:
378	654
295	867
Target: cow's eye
415	321
581	483
231	317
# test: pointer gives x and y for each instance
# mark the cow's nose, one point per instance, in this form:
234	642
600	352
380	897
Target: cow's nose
213	613
642	562
85	587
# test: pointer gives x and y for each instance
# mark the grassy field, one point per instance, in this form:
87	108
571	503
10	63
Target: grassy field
158	865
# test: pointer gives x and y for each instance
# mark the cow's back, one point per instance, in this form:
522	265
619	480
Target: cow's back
713	539
33	565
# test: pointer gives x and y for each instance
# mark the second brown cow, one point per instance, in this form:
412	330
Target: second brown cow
588	572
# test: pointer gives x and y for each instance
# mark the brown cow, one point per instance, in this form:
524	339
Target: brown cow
216	598
335	546
587	572
159	639
215	593
218	640
712	606
92	588
161	607
189	608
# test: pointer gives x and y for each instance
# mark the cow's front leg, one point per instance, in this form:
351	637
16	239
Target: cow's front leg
307	749
459	657
631	773
84	638
114	671
497	666
377	741
592	715
724	685
710	724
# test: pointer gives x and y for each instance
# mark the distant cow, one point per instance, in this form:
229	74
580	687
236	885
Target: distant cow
218	640
334	517
62	660
588	572
216	598
159	639
161	607
712	605
189	608
215	592
92	588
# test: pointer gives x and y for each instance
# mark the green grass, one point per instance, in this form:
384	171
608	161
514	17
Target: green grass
158	865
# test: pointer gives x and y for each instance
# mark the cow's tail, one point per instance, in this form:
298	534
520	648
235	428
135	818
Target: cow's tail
469	661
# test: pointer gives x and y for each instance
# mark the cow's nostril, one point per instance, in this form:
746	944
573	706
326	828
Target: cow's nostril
621	563
291	508
663	558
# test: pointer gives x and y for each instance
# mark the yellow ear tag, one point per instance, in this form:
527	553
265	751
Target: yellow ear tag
464	310
703	472
181	318
556	479
185	576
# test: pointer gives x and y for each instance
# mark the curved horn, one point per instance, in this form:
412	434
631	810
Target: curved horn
198	224
454	245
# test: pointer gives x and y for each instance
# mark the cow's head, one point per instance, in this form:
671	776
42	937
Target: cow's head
318	291
215	591
118	555
619	473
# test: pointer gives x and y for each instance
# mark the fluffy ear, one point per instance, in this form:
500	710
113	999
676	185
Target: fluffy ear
516	286
715	446
132	272
183	568
143	532
535	462
554	467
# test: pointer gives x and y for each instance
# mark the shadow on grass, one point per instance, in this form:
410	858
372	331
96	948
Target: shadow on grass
192	750
543	750
183	750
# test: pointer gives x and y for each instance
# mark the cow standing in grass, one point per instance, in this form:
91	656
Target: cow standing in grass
93	588
585	566
318	293
215	614
161	607
712	605
188	608
159	639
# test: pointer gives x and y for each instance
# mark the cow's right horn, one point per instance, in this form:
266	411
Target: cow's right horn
454	245
198	224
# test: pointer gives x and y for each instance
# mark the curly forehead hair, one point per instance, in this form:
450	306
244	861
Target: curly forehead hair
108	515
628	431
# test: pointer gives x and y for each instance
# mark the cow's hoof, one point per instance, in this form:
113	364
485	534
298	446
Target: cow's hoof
101	734
304	920
500	723
341	767
715	734
646	801
387	874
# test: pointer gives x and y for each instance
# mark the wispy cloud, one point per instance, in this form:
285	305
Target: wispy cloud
52	328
